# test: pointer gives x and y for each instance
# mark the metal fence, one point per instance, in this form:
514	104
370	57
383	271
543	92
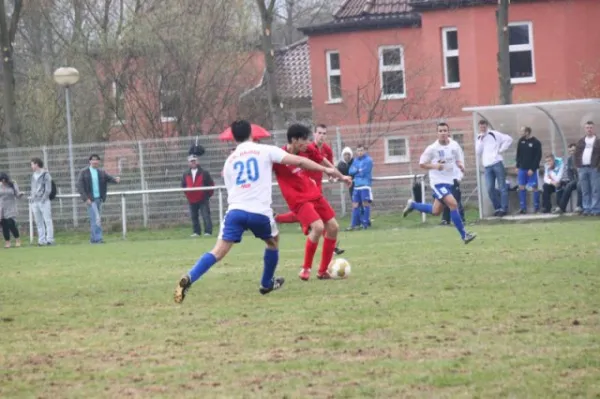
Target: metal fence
160	164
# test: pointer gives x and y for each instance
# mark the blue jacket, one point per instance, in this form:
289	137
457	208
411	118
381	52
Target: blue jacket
362	171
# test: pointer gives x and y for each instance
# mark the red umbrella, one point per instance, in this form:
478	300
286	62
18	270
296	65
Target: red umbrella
258	132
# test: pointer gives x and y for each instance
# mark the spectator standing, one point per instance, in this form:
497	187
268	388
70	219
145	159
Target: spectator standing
529	156
199	201
587	160
553	174
9	193
361	171
92	185
490	146
572	184
344	165
41	188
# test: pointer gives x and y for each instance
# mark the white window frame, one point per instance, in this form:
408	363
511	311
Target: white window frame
449	53
392	68
331	73
115	92
396	158
524	47
163	119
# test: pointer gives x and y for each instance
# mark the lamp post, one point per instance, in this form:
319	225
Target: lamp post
66	77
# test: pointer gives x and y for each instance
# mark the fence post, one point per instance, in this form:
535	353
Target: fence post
142	184
422	181
124	215
343	198
338	140
45	157
30	223
477	166
220	205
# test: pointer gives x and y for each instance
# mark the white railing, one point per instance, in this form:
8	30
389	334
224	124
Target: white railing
218	189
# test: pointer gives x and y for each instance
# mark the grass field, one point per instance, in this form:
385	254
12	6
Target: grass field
514	314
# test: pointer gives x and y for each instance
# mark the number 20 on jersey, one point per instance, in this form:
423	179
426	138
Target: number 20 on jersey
247	172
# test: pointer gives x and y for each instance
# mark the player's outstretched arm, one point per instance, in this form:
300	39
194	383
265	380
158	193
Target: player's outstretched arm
304	163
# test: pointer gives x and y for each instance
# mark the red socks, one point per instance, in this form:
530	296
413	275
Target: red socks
327	254
309	253
289	217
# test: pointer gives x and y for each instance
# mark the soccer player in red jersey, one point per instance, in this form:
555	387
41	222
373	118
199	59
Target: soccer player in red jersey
306	201
326	152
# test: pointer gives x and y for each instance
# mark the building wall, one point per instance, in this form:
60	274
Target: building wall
566	51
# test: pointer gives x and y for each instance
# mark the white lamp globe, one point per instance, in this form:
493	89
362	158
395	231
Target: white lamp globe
66	76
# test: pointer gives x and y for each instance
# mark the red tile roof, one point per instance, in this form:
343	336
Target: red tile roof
292	66
360	8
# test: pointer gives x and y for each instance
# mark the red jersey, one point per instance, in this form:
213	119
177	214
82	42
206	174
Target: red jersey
326	153
295	183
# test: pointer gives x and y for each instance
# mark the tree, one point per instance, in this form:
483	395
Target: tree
503	52
267	15
8	30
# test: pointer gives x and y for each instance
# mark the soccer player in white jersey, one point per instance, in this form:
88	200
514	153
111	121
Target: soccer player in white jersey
248	179
440	158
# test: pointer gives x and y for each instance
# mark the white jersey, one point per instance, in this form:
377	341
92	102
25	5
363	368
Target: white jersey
248	175
447	155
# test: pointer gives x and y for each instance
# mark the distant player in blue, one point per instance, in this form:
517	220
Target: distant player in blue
248	179
529	156
361	171
440	158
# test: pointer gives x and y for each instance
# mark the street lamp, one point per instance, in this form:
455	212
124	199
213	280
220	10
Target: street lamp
67	77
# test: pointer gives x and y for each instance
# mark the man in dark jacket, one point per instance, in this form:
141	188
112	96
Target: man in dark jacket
572	184
587	160
92	186
199	200
529	156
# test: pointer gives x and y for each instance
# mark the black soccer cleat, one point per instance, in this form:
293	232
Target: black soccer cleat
277	284
182	288
469	237
338	251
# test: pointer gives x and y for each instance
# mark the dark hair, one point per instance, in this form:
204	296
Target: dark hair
443	124
11	184
38	162
94	156
321	125
527	129
297	131
483	122
550	155
361	145
572	145
589	123
241	130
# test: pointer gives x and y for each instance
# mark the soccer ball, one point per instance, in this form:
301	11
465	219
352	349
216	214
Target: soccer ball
339	268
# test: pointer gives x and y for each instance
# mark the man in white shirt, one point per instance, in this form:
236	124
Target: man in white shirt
248	179
490	146
441	158
587	160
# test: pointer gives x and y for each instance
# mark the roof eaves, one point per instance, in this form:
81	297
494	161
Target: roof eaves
430	5
406	20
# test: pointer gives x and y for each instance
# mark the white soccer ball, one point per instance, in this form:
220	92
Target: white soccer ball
339	268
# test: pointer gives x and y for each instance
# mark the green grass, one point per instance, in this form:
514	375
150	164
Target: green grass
514	314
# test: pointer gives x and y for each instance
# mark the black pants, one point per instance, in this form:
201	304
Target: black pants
457	194
201	208
9	226
566	195
548	190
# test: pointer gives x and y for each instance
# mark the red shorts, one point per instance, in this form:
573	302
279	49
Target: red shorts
312	211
